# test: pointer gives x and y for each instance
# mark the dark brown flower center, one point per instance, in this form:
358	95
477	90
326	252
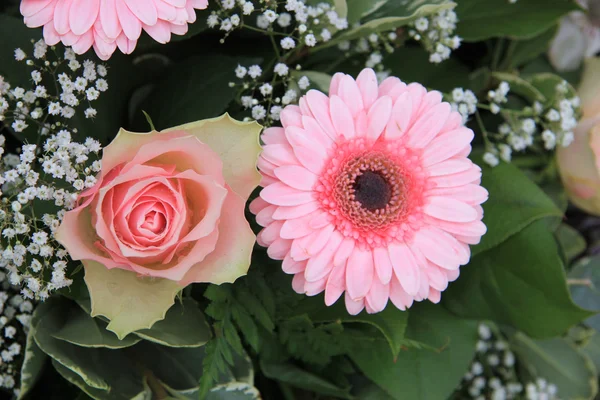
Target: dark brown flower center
372	190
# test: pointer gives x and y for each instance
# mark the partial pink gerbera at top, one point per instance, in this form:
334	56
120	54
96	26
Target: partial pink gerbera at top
108	24
369	191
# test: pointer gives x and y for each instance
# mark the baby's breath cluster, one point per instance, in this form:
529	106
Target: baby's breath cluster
464	102
375	47
293	22
266	99
33	204
492	374
436	34
540	127
15	318
39	182
60	85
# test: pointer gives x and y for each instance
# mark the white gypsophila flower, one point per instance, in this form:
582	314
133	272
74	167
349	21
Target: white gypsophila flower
212	20
303	83
289	97
288	43
226	25
228	4
275	113
270	15
254	71
262	22
241	71
281	69
248	8
20	55
310	40
284	20
258	112
491	159
235	20
266	89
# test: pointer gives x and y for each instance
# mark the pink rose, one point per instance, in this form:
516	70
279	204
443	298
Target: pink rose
579	163
170	204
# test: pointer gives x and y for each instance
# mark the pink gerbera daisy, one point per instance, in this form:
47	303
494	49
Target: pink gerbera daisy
108	24
370	192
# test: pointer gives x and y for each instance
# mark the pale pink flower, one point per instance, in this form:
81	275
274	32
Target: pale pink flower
108	24
369	191
170	204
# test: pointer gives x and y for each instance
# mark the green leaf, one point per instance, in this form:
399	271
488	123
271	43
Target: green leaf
520	283
484	19
297	377
194	89
571	241
33	364
122	392
560	363
391	322
233	391
82	330
514	203
318	80
412	65
546	83
184	326
585	287
422	374
592	349
401	14
527	50
520	86
358	9
130	302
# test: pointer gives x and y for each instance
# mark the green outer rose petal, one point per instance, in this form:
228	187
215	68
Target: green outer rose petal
236	143
128	301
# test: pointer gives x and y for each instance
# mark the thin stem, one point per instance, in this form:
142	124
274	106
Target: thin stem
483	130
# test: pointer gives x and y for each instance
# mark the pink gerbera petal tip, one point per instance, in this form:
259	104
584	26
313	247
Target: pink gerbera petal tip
369	192
108	24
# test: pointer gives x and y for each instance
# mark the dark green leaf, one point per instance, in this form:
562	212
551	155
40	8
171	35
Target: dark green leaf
571	241
585	287
391	322
514	203
520	283
297	377
559	362
83	330
527	50
33	364
484	19
422	374
520	86
183	326
358	9
194	89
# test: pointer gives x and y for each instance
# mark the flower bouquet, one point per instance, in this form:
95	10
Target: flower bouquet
299	199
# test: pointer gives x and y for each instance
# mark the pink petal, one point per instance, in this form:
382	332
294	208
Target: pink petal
474	228
377	297
367	84
314	288
405	267
450	166
311	125
257	205
290	266
437	277
160	31
281	194
279	248
274	135
296	228
319	106
428	125
458	179
110	19
359	273
31	7
291	116
279	154
401	117
319	266
446	145
132	26
354	307
398	296
297	177
298	283
342	118
440	248
82	15
265	216
335	284
51	37
84	43
378	117
61	16
449	209
144	10
383	265
434	295
350	94
41	18
307	151
471	194
343	252
291	212
334	85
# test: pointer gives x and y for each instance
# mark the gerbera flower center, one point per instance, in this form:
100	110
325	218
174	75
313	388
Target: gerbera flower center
372	191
